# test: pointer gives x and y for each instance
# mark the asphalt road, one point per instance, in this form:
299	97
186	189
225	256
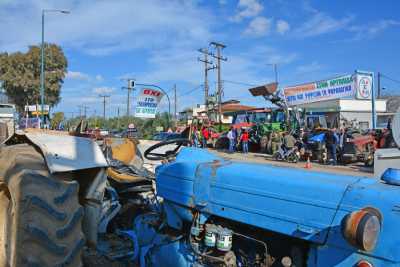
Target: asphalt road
351	169
357	169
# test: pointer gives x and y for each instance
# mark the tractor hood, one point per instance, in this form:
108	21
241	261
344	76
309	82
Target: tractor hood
290	201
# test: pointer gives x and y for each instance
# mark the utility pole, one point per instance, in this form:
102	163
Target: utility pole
131	85
219	47
104	106
85	108
175	104
207	68
379	85
118	118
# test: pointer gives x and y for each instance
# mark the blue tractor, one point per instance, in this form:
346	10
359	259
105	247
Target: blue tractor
214	212
197	210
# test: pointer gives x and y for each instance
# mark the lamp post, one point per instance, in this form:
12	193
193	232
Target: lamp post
165	93
42	60
275	66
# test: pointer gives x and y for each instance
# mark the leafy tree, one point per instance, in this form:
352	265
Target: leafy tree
56	119
146	127
21	75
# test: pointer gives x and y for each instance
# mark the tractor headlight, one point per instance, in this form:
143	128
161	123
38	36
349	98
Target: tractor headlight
362	228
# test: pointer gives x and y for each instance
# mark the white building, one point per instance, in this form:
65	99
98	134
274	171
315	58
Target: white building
353	111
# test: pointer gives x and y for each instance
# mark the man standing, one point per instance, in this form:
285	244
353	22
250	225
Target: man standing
195	137
231	138
288	141
205	135
245	141
331	141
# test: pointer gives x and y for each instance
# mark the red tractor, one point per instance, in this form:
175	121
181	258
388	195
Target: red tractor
361	147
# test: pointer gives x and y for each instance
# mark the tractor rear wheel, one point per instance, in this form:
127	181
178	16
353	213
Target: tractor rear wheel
40	216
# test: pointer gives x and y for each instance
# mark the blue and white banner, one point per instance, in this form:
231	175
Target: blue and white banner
358	84
147	103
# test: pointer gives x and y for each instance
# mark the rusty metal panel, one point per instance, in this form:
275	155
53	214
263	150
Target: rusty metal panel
264	90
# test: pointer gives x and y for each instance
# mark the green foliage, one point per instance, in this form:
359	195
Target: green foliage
56	119
146	127
21	75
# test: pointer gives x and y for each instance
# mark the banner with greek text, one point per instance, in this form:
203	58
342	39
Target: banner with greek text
339	87
147	103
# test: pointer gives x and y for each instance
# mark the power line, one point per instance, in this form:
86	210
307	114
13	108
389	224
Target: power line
239	83
191	90
389	78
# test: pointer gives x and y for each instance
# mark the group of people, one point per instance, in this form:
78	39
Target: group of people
334	140
200	137
235	137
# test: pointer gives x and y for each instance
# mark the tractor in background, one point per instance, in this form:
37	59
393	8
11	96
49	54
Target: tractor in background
66	201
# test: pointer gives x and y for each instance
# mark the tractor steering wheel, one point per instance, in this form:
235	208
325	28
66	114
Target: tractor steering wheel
150	155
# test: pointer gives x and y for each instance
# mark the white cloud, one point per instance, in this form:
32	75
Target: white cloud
77	75
282	26
104	27
247	9
259	26
103	90
372	29
321	23
99	78
309	68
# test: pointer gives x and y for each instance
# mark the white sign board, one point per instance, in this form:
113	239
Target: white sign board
147	103
364	86
33	108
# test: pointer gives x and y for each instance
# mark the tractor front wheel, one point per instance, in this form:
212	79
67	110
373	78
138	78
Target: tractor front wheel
40	216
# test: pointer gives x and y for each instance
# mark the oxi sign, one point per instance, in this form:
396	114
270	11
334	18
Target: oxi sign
147	103
343	86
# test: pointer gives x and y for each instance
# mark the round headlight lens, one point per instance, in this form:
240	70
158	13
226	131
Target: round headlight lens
362	228
368	232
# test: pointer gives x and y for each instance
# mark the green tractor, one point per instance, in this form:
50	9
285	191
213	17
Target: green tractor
280	119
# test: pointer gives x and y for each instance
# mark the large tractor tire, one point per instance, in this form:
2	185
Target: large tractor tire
40	216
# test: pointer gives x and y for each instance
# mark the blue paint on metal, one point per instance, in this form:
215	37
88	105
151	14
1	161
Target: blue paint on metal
133	237
318	138
391	176
304	204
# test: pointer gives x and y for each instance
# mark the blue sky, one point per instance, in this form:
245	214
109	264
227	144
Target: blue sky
156	41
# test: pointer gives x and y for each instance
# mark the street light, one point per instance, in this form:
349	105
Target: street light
274	65
42	58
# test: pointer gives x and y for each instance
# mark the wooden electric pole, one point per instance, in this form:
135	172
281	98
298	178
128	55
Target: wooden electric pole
104	106
208	65
219	47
